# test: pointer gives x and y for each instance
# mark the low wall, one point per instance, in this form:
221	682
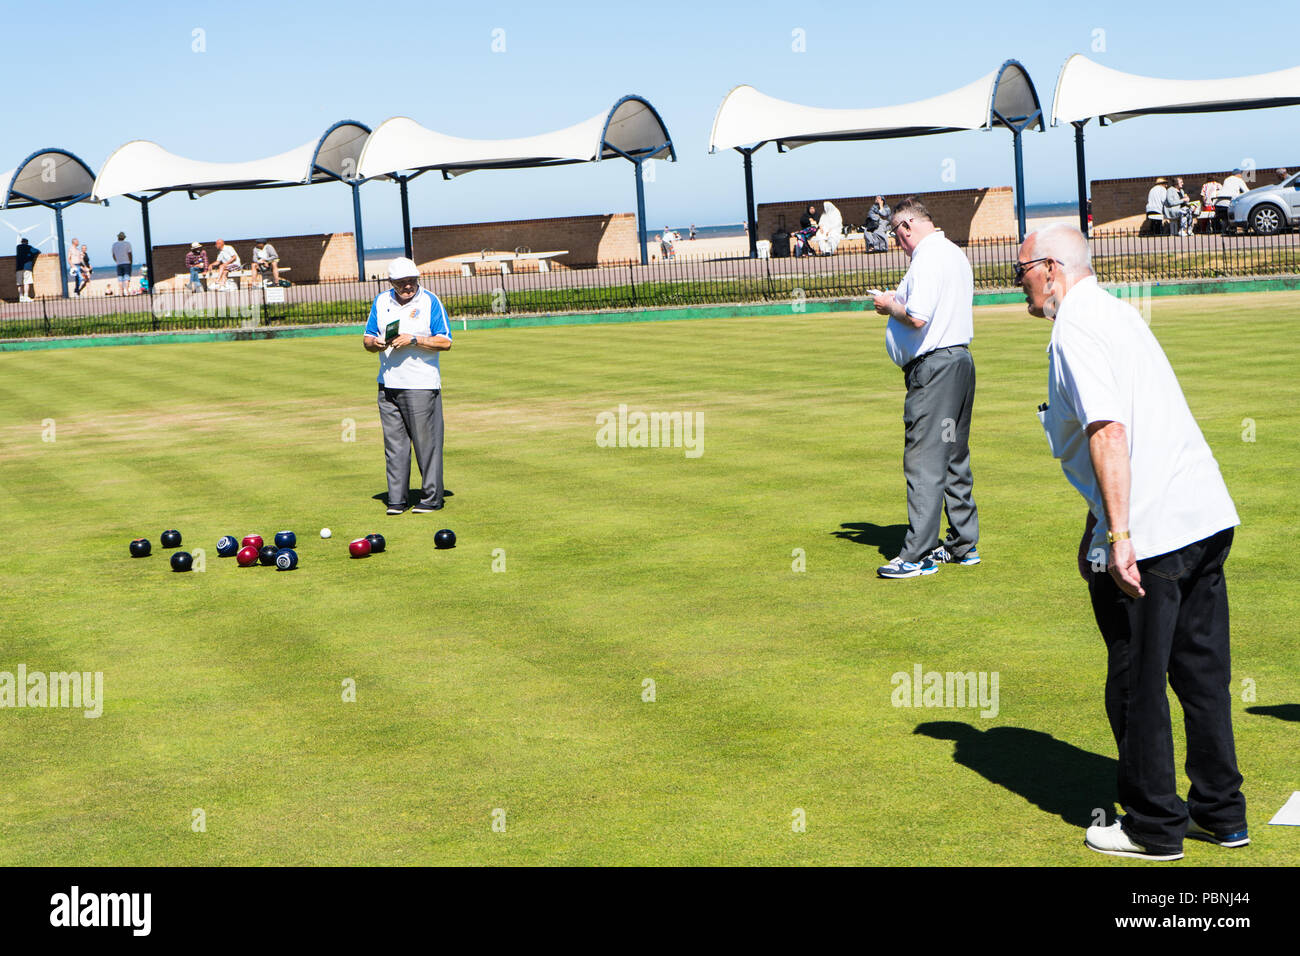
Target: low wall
961	213
45	276
588	239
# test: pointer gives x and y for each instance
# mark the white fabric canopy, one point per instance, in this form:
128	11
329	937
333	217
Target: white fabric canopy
748	117
1086	89
632	126
51	176
142	166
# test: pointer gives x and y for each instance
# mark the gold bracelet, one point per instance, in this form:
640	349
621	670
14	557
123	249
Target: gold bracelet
1113	536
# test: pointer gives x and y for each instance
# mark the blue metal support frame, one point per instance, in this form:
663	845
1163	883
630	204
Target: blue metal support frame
58	207
360	243
637	162
1017	127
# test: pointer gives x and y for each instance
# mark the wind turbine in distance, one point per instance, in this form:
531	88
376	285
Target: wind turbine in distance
52	237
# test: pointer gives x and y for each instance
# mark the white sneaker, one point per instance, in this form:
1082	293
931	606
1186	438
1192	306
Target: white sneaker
1114	841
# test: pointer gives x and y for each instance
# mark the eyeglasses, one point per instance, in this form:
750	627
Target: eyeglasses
1022	268
893	230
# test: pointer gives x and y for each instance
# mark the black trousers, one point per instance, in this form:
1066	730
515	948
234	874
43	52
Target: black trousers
1179	631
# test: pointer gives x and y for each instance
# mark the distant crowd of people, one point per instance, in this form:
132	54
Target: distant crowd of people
265	266
1171	210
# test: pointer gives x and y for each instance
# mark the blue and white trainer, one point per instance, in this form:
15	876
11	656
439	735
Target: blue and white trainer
898	568
942	555
1198	832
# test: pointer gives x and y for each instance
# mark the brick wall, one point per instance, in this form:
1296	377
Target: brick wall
961	213
1119	205
309	258
588	239
45	276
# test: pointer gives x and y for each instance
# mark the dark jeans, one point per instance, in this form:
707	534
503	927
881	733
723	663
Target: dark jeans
1179	629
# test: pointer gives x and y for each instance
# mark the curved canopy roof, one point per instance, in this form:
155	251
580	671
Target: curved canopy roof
46	176
1086	89
748	117
141	166
632	128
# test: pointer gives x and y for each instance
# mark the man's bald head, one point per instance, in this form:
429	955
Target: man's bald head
1064	243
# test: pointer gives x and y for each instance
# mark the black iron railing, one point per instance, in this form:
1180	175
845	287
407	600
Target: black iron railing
680	281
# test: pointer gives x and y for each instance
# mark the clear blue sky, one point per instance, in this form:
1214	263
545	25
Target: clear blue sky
89	76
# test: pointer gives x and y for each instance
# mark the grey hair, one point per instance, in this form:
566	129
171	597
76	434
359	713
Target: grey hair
1067	245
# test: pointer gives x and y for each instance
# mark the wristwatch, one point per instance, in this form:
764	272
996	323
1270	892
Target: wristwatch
1113	536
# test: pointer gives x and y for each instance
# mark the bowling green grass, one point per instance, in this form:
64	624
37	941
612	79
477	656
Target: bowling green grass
649	679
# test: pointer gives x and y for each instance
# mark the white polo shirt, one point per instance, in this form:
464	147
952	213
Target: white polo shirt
939	288
1233	186
409	366
1105	365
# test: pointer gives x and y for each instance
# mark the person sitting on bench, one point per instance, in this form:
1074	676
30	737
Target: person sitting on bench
876	229
227	262
266	259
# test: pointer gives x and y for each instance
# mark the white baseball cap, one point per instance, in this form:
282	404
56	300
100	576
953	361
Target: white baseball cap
403	268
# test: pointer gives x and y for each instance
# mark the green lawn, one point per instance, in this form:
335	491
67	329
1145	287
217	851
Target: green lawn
522	691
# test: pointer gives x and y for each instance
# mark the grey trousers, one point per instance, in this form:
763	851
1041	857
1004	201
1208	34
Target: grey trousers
936	453
412	417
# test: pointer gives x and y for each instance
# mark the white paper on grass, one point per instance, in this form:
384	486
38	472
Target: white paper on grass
1289	815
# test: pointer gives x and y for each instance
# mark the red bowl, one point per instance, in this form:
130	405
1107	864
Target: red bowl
359	548
253	540
247	557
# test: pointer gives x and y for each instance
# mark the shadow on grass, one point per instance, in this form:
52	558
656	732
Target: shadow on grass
888	538
1280	711
413	495
1057	777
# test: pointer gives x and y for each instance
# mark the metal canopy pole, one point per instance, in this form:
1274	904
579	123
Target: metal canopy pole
1017	127
148	240
751	215
1020	183
63	254
408	242
1083	178
640	209
361	245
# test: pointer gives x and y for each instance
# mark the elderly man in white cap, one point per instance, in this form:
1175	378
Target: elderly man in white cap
408	327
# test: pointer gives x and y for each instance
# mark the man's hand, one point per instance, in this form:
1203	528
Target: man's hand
403	340
373	343
884	303
1124	568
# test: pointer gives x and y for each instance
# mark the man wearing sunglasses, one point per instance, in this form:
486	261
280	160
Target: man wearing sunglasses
408	327
1159	530
928	334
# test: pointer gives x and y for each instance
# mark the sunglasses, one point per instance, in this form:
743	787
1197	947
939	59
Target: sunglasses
893	230
1022	268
